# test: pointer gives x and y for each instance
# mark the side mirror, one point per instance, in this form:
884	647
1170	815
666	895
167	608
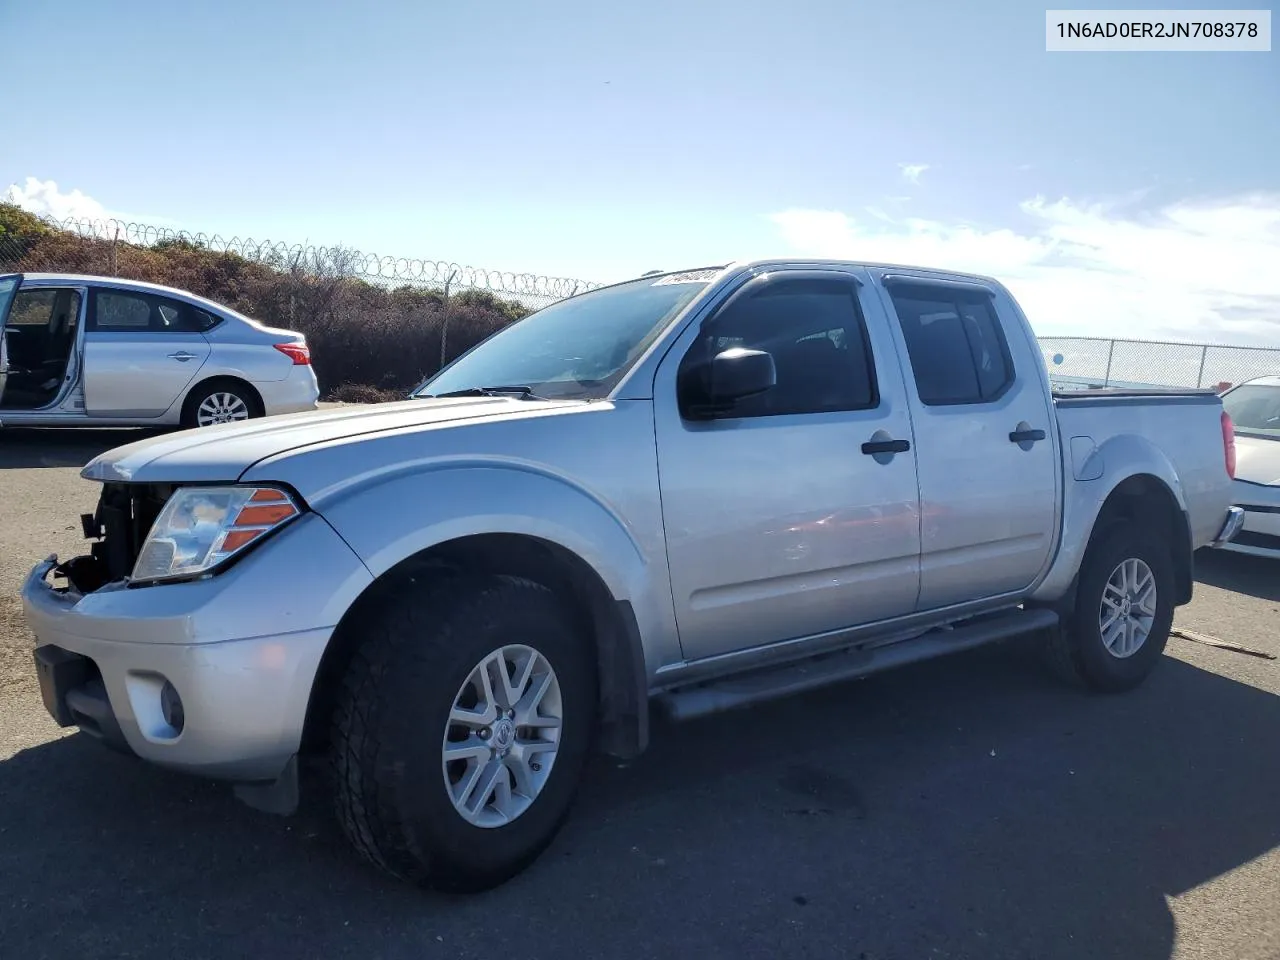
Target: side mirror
732	375
738	373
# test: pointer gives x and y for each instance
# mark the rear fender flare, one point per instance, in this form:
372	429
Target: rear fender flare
1122	456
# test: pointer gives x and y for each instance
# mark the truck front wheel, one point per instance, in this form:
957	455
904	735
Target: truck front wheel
461	731
1123	611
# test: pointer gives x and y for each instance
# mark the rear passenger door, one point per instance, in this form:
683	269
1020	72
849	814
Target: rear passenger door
142	350
778	524
982	416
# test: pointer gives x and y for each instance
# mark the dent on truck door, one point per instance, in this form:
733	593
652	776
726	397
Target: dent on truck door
794	513
988	477
141	352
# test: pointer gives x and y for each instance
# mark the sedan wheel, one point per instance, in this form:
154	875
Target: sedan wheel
221	407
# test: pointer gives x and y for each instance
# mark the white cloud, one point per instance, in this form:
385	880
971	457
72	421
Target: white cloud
911	171
1198	271
44	197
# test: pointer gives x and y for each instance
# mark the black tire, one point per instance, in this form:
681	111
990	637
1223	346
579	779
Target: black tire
1077	651
241	391
391	715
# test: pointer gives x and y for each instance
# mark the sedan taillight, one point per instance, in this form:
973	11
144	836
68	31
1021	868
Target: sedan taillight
299	353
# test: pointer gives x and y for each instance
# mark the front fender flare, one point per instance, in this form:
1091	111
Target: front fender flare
394	518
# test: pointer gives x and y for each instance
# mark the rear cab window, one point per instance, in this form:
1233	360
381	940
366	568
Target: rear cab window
955	343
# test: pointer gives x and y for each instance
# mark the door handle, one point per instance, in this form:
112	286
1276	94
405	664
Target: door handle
183	356
872	447
1026	436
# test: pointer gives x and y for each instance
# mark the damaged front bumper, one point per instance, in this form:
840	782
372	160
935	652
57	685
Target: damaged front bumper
212	676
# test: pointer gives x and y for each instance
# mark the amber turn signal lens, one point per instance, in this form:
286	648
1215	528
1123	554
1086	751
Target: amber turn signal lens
238	538
264	515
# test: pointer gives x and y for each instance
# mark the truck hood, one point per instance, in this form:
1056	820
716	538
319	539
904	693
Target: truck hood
223	452
1258	460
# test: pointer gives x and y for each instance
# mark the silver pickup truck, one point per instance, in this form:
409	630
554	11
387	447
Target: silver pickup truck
685	493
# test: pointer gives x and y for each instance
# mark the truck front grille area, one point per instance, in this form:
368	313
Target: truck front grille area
117	529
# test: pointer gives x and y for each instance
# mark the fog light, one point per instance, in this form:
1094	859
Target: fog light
171	706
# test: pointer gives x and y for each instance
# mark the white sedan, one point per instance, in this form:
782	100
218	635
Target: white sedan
1254	407
100	351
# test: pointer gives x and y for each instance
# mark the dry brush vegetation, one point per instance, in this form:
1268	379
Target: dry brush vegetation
368	342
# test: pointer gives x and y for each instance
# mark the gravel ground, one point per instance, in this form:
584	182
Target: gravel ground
969	807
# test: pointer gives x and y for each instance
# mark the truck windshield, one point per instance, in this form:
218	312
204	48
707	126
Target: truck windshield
1255	409
579	348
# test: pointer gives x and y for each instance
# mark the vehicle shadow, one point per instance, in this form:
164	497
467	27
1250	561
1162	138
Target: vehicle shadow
63	446
969	807
1239	573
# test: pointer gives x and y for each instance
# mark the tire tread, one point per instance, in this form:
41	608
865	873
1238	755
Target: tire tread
1065	651
413	631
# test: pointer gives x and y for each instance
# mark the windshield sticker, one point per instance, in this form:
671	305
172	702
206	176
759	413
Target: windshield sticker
692	276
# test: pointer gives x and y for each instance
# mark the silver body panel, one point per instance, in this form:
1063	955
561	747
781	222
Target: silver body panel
118	378
778	527
735	543
988	506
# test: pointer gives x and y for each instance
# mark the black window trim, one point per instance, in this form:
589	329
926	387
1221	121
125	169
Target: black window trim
957	291
153	297
942	283
763	280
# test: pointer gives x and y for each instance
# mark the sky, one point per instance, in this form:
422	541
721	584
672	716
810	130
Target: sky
1115	194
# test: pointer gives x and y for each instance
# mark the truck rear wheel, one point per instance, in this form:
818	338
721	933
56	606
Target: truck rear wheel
1123	611
461	731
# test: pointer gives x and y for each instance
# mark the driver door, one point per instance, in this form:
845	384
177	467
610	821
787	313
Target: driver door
779	525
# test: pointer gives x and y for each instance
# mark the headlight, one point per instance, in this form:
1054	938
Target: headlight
200	527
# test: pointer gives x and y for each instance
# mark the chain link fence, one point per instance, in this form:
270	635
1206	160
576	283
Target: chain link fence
1083	363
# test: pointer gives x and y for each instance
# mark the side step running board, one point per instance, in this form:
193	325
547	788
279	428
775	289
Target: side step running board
770	683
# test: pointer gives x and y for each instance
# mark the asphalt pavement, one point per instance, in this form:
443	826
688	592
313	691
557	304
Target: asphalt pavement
968	807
